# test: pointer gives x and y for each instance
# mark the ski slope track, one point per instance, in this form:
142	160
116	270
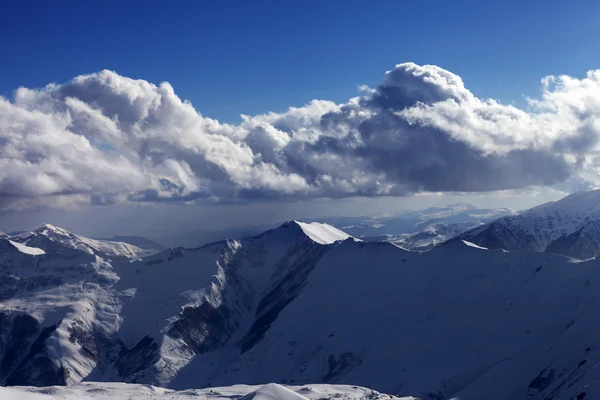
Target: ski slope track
302	304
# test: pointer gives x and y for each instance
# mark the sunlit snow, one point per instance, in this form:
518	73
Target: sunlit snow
34	251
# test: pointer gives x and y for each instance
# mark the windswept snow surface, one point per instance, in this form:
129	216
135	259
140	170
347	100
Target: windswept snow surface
322	233
34	251
12	393
123	391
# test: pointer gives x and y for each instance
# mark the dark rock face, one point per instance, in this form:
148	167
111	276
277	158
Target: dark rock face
37	368
86	340
582	244
499	236
5	326
207	327
307	255
22	330
24	360
10	285
204	328
138	358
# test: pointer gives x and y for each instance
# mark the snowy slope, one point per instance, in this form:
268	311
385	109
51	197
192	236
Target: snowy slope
122	391
92	316
51	304
51	237
138	241
33	251
322	233
435	325
458	321
570	226
22	394
212	296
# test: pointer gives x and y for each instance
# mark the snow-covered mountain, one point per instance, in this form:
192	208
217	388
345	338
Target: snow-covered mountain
305	303
419	230
431	236
570	226
52	238
70	312
138	241
391	228
124	391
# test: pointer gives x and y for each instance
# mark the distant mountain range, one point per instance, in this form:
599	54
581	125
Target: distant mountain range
138	241
431	236
570	226
394	228
414	221
419	230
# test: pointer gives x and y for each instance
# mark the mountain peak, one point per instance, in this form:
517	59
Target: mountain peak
49	237
322	233
462	206
318	232
551	227
587	202
46	229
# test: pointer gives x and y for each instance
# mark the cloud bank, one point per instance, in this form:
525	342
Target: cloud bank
104	138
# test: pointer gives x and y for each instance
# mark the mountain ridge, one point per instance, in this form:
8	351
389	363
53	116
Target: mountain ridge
49	236
283	307
570	226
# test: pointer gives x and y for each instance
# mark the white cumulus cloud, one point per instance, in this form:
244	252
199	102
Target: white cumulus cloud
104	138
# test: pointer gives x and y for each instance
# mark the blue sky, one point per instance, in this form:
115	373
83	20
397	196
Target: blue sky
420	132
233	57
